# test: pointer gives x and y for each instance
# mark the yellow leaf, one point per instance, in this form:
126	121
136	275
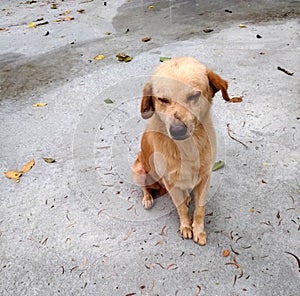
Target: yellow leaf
242	26
26	167
13	174
68	18
123	57
150	6
66	12
32	25
39	105
99	57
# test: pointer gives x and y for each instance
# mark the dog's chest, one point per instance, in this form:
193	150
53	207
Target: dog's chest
182	169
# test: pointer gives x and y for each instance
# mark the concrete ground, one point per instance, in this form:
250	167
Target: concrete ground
77	226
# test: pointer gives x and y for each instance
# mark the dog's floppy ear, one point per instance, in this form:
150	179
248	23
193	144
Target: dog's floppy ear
147	107
217	83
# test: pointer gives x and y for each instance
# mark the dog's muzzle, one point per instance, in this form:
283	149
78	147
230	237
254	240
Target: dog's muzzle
179	131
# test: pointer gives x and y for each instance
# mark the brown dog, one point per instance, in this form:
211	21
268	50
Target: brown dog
178	145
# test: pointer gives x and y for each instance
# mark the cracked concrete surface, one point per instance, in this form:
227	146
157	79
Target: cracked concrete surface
77	226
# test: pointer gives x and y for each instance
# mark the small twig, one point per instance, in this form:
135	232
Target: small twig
234	279
298	260
229	130
285	71
42	24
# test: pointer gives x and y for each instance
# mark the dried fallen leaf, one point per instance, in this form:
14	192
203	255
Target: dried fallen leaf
198	291
131	230
68	18
242	26
162	232
208	30
107	33
171	266
80	10
226	253
298	260
150	6
163	59
123	57
13	174
233	251
218	165
44	241
53	6
4	29
39	105
236	100
49	160
234	263
28	166
66	12
146	39
99	57
32	25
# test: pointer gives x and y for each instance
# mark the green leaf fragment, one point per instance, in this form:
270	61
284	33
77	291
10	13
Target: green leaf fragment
108	101
49	160
218	165
163	59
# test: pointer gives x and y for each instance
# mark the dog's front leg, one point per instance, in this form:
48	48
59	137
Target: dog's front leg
180	198
199	213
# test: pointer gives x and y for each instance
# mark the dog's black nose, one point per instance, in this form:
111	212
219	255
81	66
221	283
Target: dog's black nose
178	131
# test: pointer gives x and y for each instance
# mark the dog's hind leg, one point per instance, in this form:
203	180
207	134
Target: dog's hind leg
142	179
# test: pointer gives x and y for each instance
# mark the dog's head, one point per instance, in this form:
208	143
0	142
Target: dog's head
180	94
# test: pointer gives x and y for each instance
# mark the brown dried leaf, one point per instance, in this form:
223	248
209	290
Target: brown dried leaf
236	100
13	174
162	232
226	253
146	39
68	18
298	260
27	167
171	266
159	243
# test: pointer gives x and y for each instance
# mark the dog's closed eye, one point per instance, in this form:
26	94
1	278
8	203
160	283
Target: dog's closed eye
194	97
164	101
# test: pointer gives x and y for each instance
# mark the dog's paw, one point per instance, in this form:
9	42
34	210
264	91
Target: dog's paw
199	237
147	201
186	231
